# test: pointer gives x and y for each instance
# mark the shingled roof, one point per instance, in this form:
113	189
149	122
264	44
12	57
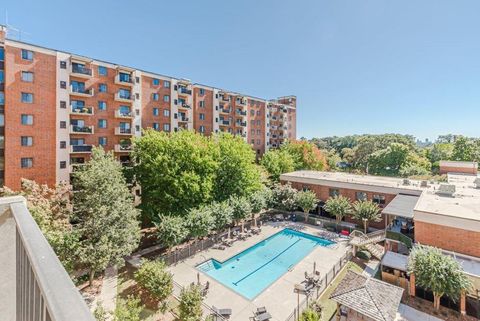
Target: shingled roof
371	297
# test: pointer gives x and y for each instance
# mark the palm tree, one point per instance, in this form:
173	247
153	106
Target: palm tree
339	206
307	201
366	211
437	272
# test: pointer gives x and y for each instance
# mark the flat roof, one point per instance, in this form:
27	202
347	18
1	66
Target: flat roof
396	261
402	205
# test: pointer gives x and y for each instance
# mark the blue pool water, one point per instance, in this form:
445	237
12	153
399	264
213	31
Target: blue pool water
251	271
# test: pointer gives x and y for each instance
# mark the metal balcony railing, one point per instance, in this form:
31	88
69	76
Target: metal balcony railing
81	148
34	284
78	69
184	90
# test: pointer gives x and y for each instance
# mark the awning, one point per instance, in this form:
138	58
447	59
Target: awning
395	261
402	205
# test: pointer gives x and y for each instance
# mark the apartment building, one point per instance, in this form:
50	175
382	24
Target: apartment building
54	106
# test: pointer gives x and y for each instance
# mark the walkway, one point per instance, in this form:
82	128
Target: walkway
406	313
108	294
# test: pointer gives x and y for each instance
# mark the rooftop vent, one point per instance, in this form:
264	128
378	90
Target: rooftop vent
477	182
446	190
424	184
406	181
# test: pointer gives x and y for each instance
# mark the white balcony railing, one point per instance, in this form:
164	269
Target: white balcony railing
34	284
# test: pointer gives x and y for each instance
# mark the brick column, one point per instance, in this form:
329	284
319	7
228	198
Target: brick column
412	285
463	304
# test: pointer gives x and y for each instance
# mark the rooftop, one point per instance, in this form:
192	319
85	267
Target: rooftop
371	297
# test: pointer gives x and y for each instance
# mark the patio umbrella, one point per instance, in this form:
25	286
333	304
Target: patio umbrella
243	226
229	232
198	278
314	267
254	221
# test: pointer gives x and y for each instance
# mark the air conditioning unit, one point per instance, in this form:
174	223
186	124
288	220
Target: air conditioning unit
406	181
424	184
446	190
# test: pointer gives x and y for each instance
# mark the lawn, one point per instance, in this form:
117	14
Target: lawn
328	306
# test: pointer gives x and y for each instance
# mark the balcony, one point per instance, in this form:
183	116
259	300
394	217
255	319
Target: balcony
123	148
125	81
225	110
80	71
241	102
182	118
123	131
241	123
80	148
225	122
183	105
123	114
34	283
242	112
124	98
75	91
81	110
184	91
75	129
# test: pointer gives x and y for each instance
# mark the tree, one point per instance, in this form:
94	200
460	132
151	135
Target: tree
437	272
440	151
339	206
171	230
310	315
241	208
463	149
413	170
153	277
176	171
128	309
237	173
307	201
258	200
190	308
305	155
52	211
222	213
283	197
366	211
388	161
277	162
104	207
200	221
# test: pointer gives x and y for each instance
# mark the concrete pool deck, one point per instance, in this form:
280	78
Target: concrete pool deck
278	298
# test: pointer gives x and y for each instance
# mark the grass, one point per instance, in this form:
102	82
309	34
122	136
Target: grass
329	306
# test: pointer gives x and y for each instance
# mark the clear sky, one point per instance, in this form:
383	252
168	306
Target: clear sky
358	66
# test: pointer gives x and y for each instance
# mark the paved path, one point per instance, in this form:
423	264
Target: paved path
108	295
406	313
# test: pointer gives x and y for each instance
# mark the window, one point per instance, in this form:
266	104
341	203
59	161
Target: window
63	104
63	65
361	196
259	142
252	131
166	84
258	122
155	111
102	71
77	141
124	77
379	199
156	126
252	112
63	144
102	141
63	164
259	132
26	140
332	192
202	91
102	123
124	93
155	82
258	112
27	119
27	98
166	98
102	105
2	98
166	127
27	54
2	76
202	116
63	84
155	96
2	54
201	104
26	162
102	88
166	112
63	124
252	141
201	129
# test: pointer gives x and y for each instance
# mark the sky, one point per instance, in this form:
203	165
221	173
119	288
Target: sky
358	66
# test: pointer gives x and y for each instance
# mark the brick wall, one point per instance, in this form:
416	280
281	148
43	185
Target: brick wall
448	238
462	170
256	125
148	89
207	110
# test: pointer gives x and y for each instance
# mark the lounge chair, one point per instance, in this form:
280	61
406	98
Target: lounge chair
227	242
260	310
262	317
223	312
218	247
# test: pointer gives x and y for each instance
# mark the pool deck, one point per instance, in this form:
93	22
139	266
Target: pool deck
278	298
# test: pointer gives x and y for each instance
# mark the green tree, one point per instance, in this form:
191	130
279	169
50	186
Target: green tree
283	197
309	315
200	221
277	162
413	170
171	230
307	201
104	207
463	149
176	171
305	155
190	308
388	161
222	213
440	151
153	277
366	211
128	309
237	173
100	313
241	208
437	272
339	206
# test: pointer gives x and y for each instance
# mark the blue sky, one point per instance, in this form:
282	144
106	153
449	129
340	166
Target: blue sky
358	66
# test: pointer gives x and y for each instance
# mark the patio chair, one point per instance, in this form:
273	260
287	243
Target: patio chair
260	310
223	312
206	288
218	247
262	317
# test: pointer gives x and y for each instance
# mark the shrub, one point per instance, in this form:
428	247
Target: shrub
171	230
128	310
191	303
156	280
309	315
364	255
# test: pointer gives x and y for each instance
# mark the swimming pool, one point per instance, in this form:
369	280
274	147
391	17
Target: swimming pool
251	271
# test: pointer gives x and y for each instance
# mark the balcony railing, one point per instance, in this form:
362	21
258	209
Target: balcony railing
81	92
225	122
127	81
76	129
123	148
184	91
124	97
242	112
241	123
225	110
81	110
81	71
80	148
34	284
123	131
123	114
